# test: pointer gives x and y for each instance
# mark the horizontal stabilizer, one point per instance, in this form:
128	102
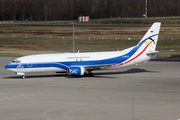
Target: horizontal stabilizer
153	54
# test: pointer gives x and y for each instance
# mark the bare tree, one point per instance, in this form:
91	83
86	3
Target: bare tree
71	9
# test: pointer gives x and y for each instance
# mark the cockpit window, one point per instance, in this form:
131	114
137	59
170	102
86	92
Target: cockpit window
16	61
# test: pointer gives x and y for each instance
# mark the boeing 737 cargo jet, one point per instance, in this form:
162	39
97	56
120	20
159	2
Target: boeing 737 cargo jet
79	64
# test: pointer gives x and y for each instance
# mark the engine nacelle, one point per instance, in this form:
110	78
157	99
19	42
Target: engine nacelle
76	71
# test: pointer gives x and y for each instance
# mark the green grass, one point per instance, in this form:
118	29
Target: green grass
10	54
130	28
127	21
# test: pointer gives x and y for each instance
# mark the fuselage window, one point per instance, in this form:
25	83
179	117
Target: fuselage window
16	61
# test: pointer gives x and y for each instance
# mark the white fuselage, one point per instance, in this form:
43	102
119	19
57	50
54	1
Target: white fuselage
62	61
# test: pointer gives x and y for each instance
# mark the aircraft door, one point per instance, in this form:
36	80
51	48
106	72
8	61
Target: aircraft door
29	62
29	65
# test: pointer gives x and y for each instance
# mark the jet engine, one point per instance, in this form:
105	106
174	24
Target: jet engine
76	71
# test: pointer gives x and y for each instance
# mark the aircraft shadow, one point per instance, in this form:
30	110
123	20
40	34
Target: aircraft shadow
97	75
37	76
130	71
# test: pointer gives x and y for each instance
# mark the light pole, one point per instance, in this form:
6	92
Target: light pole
145	8
73	23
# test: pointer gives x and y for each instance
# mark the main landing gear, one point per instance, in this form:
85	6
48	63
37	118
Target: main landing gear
89	74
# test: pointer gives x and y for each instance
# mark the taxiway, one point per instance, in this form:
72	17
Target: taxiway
149	91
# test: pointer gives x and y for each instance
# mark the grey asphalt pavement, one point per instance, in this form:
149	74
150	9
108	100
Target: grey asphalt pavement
149	91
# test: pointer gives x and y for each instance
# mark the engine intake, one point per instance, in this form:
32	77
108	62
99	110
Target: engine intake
76	71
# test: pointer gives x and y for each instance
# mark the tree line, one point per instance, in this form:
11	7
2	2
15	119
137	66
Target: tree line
38	10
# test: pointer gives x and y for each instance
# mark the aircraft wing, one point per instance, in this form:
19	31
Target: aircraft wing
97	67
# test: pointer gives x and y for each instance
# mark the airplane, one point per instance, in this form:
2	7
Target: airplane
80	64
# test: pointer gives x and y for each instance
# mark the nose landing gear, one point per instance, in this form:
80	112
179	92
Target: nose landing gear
23	77
22	74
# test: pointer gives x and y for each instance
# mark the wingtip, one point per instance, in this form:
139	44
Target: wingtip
157	22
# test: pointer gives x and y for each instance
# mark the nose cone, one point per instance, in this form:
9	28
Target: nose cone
8	66
11	67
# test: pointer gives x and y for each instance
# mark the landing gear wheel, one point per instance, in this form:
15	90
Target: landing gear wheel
90	74
23	77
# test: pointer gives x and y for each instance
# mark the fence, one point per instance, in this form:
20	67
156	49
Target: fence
5	24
